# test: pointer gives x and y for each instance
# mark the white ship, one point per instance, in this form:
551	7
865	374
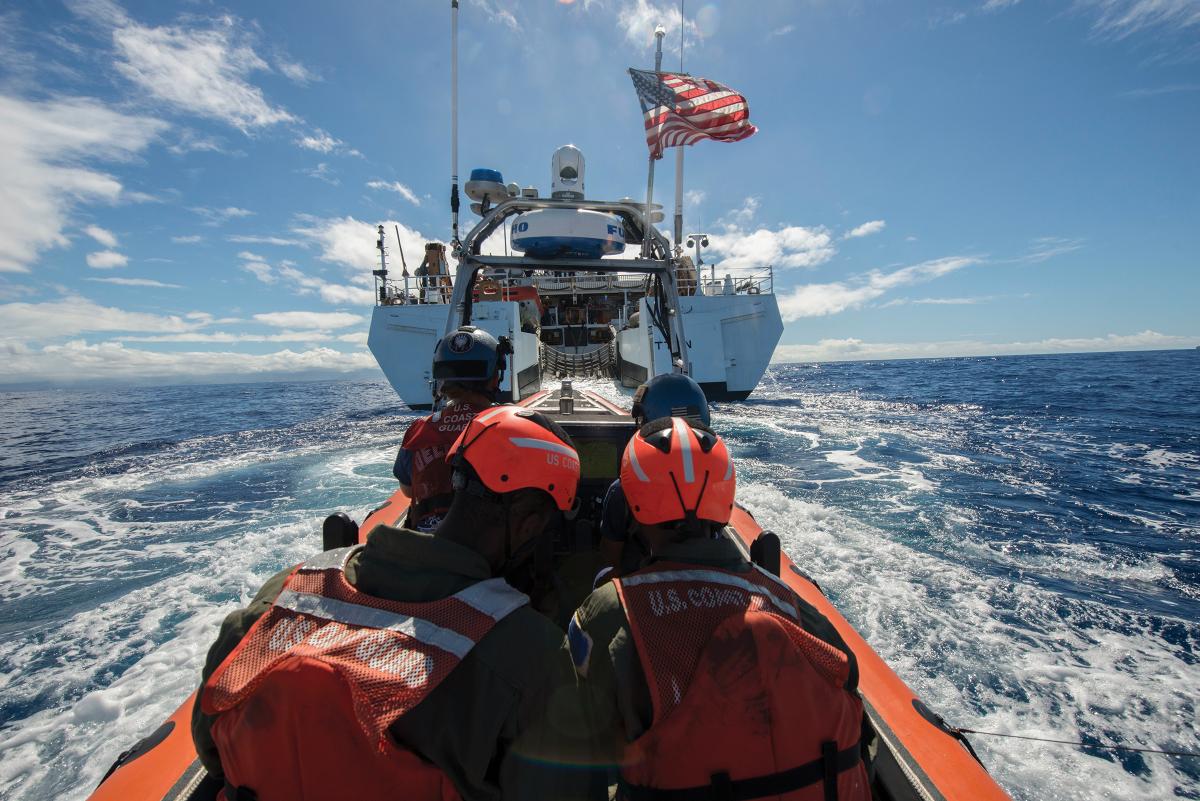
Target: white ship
590	295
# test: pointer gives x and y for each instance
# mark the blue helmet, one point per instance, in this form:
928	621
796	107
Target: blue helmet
469	354
670	395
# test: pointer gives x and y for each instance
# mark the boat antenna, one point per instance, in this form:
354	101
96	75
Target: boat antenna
454	122
679	153
403	263
659	33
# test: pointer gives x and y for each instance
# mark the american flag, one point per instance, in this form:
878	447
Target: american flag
682	110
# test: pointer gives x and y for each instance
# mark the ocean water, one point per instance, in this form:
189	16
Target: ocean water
1018	537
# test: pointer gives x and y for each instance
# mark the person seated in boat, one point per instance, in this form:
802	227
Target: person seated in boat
468	365
661	396
406	667
702	675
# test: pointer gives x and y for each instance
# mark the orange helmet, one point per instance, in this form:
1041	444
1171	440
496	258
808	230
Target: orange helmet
509	448
676	471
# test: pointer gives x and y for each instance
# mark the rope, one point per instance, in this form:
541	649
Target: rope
1104	746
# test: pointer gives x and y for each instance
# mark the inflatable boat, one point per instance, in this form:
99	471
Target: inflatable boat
916	756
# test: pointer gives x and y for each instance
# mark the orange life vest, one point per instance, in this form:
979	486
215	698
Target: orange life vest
747	704
429	439
305	700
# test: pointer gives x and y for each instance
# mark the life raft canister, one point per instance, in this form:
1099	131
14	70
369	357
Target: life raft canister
747	704
430	439
305	700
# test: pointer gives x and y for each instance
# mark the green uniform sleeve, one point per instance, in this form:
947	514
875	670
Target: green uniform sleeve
595	644
233	629
544	762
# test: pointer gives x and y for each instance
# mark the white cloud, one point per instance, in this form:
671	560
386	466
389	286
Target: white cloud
1169	89
866	229
75	315
264	240
793	246
43	149
306	319
331	293
192	142
200	70
1047	247
296	72
819	300
694	197
260	270
106	259
351	242
227	337
219	216
187	240
105	237
938	301
320	142
248	256
497	13
136	282
743	216
78	360
745	246
638	18
397	187
1119	19
784	31
858	350
139	197
322	172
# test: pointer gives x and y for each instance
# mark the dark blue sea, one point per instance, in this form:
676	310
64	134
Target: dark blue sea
1018	537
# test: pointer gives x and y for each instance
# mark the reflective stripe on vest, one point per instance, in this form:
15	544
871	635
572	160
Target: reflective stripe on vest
392	653
717	577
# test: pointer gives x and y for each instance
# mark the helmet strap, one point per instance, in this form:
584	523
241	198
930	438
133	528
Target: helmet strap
690	523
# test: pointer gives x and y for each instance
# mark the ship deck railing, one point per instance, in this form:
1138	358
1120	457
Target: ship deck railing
437	289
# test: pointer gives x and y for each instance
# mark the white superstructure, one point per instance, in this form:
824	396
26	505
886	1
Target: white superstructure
575	302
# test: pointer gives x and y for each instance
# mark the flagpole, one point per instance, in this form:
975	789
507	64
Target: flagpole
659	33
679	154
454	121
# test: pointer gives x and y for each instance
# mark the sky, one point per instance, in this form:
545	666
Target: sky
188	191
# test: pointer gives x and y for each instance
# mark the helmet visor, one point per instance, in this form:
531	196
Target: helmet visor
470	369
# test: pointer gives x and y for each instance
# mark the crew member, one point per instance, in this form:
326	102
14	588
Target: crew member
661	396
704	676
407	665
468	365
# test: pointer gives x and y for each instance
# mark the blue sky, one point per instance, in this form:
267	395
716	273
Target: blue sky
190	189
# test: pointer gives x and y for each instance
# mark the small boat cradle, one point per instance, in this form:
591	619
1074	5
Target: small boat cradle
915	756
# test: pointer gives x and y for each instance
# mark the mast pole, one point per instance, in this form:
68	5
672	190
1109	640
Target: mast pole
454	121
659	33
403	263
679	155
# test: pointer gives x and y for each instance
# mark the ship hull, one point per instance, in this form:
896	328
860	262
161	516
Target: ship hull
730	342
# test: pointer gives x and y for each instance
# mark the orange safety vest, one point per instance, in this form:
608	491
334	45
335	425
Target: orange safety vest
747	704
305	700
430	439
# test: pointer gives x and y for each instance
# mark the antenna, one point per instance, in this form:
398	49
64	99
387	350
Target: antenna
659	33
454	122
399	244
382	272
679	150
